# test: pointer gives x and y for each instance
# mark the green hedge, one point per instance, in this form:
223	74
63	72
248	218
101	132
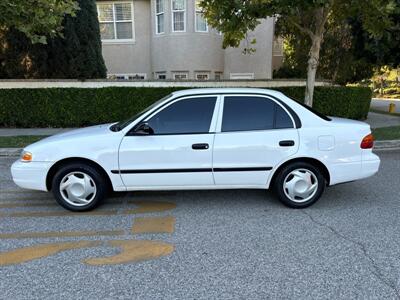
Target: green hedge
70	107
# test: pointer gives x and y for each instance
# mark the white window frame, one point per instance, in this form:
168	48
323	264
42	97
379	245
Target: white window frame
241	76
180	73
184	16
116	40
202	73
196	11
127	75
159	14
158	74
221	74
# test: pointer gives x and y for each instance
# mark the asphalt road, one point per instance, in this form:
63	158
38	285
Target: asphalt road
210	245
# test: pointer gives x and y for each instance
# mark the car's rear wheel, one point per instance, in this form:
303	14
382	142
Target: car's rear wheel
299	185
79	187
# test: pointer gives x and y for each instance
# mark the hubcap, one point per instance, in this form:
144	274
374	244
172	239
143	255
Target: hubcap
300	185
78	189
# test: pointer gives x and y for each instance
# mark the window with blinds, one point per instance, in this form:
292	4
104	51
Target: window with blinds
201	22
116	21
178	15
160	16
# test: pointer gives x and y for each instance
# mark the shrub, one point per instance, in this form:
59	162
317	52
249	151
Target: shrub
72	107
391	90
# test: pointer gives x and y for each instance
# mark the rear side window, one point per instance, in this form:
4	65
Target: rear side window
282	119
185	116
245	113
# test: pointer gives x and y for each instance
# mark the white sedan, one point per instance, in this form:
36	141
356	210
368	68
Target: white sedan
203	139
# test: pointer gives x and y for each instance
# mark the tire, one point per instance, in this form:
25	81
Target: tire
79	187
299	185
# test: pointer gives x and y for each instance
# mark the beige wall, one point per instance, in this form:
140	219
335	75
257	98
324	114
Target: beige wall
188	51
259	62
128	58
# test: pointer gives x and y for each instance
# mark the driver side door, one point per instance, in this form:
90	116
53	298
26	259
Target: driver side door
177	152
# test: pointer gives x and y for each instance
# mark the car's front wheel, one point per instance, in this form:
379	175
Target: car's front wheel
299	185
79	187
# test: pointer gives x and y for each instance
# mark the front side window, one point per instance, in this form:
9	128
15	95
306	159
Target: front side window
178	15
246	113
201	23
159	16
188	116
116	21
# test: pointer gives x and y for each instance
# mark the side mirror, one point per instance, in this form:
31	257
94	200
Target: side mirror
144	129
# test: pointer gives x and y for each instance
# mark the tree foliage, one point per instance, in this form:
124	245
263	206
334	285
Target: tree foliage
75	54
37	19
349	52
341	59
236	17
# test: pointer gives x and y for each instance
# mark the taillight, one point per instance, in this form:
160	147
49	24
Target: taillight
367	142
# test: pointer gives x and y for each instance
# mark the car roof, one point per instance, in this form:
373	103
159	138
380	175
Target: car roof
226	91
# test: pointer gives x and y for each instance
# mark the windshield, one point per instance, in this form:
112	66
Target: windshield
121	125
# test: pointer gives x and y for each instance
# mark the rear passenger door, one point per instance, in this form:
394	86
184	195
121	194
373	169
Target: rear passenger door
254	134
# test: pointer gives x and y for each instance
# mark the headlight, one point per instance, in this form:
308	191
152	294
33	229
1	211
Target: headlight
26	156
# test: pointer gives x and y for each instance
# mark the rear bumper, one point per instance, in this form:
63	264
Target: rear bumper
370	167
352	171
30	175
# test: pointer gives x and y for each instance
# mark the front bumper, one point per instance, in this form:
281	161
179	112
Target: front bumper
31	175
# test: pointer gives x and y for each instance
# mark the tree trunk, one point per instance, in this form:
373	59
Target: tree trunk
312	68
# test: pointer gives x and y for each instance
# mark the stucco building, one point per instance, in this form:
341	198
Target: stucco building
170	39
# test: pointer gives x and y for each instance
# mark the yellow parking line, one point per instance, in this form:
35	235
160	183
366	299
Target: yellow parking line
26	254
16	205
154	225
133	251
52	234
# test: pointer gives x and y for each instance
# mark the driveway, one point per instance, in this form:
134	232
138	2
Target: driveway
204	244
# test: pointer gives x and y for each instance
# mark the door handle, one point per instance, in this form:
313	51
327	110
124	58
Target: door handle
286	143
200	146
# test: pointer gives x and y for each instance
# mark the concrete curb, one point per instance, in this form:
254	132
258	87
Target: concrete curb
379	145
387	145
